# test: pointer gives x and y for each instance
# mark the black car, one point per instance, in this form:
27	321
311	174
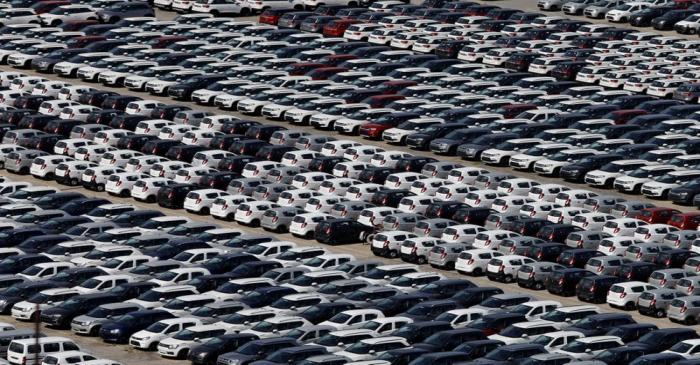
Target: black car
475	295
444	209
337	231
102	116
643	18
30	101
390	197
121	328
167	111
238	126
35	121
324	311
74	276
82	205
673	259
134	141
207	352
253	269
136	218
183	91
632	332
636	271
224	141
413	163
668	20
624	355
248	147
15	236
568	70
217	180
41	243
273	152
45	63
577	257
447	340
684	194
594	289
131	290
160	147
61	127
472	215
529	226
43	142
234	163
546	251
21	291
61	224
556	232
400	303
184	153
473	149
227	262
375	175
61	315
57	200
563	282
662	339
118	102
423	139
127	121
417	332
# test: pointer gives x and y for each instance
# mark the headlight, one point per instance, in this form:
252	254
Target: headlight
114	331
171	346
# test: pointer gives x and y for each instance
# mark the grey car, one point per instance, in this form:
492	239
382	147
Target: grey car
667	278
148	270
599	9
349	209
517	245
655	302
602	203
433	227
491	179
401	222
585	239
6	151
286	137
689	285
20	136
445	256
285	274
630	208
115	12
270	192
87	131
87	230
576	7
550	5
245	185
681	239
338	289
20	161
535	274
313	142
605	265
278	219
368	296
191	117
90	323
646	251
692	265
359	267
500	220
439	169
685	310
284	174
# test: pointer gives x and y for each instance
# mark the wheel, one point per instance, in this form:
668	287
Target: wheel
477	272
94	331
151	199
393	254
352	4
690	321
539	285
124	193
100	187
182	354
55	23
215	13
255	223
660	313
153	346
508	279
204	211
421	260
629	306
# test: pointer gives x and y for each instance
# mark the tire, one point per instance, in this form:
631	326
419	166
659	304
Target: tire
691	321
204	211
477	272
182	355
255	223
393	254
55	23
629	306
153	346
508	279
660	313
538	286
151	199
100	187
421	260
94	331
215	13
353	4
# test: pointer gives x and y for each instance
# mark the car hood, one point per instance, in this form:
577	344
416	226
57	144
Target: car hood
444	141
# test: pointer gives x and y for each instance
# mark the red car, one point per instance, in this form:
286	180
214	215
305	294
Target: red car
657	215
323	73
381	101
46	6
623	116
272	16
336	28
685	220
512	110
375	129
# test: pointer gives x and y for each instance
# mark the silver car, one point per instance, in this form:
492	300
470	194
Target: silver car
550	5
338	289
286	137
359	267
213	312
306	334
692	265
655	302
90	323
284	174
647	251
191	117
20	161
278	219
445	256
500	220
689	285
599	9
576	7
433	227
439	169
245	185
585	239
313	142
270	192
401	221
630	208
605	265
349	209
602	203
681	239
87	131
285	274
685	310
517	245
535	274
667	278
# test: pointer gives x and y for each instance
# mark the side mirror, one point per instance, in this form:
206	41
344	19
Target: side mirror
109	316
102	258
214	315
159	228
161	299
197	339
246	323
66	254
372	352
294	307
413	285
275	330
298	259
588	350
387	277
340	292
341	344
567	320
314	284
239	291
187	309
49	302
524	335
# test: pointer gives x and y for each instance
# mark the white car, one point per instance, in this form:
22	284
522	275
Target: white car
44	167
68	13
149	338
625	295
200	201
179	345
